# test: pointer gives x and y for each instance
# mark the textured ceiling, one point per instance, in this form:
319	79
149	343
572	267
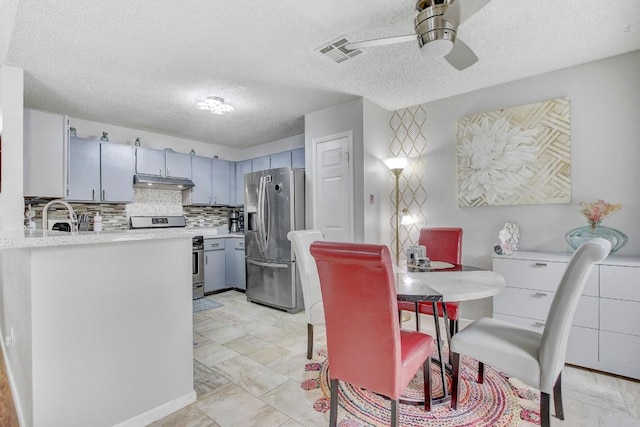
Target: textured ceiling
144	65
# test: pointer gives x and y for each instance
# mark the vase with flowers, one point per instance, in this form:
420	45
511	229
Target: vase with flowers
595	212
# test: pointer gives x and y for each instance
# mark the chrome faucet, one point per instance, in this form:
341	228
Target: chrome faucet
72	214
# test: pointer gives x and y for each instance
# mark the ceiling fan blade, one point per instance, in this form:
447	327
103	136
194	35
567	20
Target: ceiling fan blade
461	56
381	42
453	13
467	8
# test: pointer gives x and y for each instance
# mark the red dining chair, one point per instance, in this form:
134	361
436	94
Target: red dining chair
365	345
443	244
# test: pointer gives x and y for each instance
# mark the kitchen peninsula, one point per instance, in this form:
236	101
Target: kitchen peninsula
100	326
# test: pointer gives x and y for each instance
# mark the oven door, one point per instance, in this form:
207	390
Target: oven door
197	266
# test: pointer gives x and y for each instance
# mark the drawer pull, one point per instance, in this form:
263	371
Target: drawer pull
540	264
539	295
539	324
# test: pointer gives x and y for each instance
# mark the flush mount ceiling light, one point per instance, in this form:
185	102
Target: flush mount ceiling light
215	104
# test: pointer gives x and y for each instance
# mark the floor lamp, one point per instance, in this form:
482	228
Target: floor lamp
397	164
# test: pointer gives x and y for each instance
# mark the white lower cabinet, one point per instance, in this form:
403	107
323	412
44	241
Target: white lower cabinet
214	265
224	266
605	333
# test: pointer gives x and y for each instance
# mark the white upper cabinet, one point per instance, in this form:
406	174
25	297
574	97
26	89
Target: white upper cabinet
46	145
100	172
220	182
280	160
242	168
297	158
84	170
178	165
261	163
201	172
116	172
150	161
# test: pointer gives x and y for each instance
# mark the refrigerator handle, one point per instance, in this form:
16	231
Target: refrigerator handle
261	215
267	264
267	213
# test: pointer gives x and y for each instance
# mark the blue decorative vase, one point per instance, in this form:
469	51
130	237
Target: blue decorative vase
579	235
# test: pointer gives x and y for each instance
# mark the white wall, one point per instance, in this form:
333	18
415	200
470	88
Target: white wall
277	146
369	126
11	98
376	178
605	151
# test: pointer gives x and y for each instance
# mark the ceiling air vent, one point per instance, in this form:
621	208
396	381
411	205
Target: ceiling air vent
336	51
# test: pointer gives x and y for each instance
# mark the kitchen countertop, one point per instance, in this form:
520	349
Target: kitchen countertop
14	239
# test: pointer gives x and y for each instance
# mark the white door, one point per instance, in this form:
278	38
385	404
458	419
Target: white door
333	183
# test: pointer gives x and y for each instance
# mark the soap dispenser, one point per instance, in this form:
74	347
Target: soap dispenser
97	222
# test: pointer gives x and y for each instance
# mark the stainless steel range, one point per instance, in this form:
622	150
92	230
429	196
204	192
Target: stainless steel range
197	246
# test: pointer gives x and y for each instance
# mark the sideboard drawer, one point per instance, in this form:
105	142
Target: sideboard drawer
620	282
541	275
620	316
619	354
582	347
535	305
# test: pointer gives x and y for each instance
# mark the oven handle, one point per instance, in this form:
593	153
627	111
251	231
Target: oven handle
267	264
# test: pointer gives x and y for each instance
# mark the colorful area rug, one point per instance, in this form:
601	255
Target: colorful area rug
499	401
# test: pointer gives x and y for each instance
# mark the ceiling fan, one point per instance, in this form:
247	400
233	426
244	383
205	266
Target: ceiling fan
436	26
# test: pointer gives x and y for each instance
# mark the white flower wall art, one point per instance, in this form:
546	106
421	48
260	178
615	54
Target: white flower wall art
515	156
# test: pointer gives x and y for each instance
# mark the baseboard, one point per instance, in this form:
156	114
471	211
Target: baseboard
161	411
12	383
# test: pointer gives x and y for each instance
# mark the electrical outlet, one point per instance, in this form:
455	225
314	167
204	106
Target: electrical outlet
9	340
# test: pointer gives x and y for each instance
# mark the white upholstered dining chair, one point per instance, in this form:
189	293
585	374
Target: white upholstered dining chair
301	240
535	358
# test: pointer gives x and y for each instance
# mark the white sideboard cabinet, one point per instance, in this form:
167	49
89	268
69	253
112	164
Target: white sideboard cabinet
605	334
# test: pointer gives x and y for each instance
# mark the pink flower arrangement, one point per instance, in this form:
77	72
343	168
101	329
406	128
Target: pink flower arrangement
598	210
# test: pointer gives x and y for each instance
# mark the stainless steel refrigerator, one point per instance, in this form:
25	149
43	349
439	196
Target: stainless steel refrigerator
273	206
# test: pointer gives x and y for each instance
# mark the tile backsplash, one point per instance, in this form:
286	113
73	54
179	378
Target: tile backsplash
147	202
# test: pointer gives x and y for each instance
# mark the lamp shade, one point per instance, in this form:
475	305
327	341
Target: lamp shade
406	218
396	162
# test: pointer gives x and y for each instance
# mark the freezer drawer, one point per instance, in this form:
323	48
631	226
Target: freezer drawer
275	284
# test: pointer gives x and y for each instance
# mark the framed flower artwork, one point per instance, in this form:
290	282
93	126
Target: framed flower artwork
515	156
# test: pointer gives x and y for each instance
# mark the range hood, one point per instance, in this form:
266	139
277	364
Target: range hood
161	182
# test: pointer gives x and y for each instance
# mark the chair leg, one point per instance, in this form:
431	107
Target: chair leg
394	413
309	340
545	413
455	367
557	397
480	372
426	377
453	327
333	407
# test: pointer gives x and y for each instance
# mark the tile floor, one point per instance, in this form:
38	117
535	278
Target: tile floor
249	362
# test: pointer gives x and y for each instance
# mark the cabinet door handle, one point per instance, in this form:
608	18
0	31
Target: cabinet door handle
539	324
93	194
104	195
540	264
215	245
539	295
168	173
206	260
160	169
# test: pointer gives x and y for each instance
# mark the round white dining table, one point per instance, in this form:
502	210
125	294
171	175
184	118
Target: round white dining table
455	284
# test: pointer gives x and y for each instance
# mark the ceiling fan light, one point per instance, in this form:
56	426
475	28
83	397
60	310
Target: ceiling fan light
436	48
